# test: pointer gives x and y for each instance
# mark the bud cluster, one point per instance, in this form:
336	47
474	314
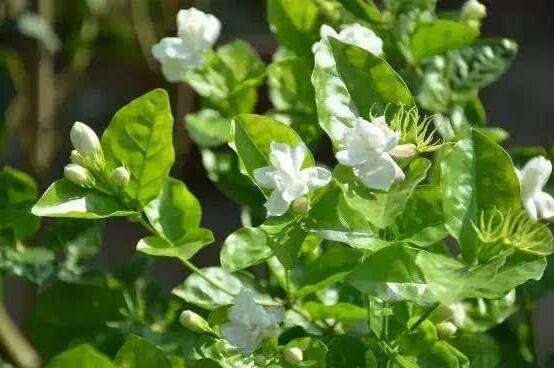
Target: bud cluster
88	160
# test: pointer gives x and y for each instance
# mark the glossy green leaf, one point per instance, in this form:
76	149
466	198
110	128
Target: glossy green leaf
365	10
296	24
228	78
252	136
140	137
346	351
440	36
18	192
381	208
289	86
244	248
65	199
185	249
82	356
471	175
208	128
481	349
139	353
351	82
339	311
285	236
391	274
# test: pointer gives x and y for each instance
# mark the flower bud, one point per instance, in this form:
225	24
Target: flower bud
84	139
76	158
301	206
473	9
404	151
194	322
120	177
77	174
446	330
293	355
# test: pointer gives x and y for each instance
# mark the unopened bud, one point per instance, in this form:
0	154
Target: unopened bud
194	322
301	206
473	9
446	330
293	355
404	150
120	177
77	158
77	174
84	139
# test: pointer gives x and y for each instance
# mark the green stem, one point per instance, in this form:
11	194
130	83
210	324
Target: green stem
367	303
187	263
421	319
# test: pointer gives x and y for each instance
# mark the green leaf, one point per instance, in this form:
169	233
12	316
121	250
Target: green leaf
391	274
381	208
289	86
296	24
185	249
65	199
477	176
196	290
18	192
365	10
139	353
228	78
82	356
451	281
351	82
340	311
252	136
422	222
442	354
481	349
440	36
140	137
174	212
208	128
285	236
244	248
346	351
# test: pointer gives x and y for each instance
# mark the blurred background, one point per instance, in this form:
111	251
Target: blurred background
68	60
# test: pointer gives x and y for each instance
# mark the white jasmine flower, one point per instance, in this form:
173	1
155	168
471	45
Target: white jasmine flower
84	139
120	177
532	179
369	148
287	178
355	34
473	9
250	323
197	32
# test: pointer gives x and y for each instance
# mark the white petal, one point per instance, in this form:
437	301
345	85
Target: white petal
530	207
266	177
316	176
534	175
403	150
295	190
240	336
376	173
276	205
545	205
281	157
351	158
298	156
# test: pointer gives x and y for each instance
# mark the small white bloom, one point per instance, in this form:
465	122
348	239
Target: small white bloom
120	177
84	139
293	355
197	32
287	178
532	179
473	9
368	148
77	174
458	313
354	34
446	330
250	323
